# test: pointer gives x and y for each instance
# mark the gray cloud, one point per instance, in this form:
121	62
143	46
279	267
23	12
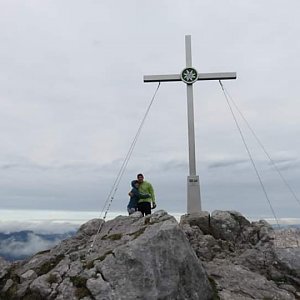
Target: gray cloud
286	164
227	163
72	96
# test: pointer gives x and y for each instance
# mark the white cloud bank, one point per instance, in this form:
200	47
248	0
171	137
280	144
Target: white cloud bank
32	245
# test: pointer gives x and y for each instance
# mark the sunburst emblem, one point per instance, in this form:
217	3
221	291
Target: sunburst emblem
189	75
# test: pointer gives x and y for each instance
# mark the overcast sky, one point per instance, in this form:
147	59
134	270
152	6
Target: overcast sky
72	97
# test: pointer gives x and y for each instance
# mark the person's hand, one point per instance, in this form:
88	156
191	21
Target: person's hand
153	206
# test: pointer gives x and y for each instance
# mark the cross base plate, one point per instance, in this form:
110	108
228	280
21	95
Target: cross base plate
193	194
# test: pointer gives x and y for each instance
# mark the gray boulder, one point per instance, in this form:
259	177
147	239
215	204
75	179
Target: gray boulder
237	282
199	219
228	225
289	260
4	266
246	260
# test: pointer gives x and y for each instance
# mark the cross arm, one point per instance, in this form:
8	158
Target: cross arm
216	76
201	76
162	78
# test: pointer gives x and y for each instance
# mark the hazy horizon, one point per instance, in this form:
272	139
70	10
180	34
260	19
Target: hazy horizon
52	221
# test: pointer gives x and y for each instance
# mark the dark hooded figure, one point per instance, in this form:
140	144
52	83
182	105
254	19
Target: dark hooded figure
135	196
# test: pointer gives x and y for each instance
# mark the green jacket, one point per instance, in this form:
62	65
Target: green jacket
146	188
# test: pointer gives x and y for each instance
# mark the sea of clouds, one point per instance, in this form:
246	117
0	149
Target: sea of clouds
12	248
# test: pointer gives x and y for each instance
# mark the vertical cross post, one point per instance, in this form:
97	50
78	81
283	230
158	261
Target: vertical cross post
189	76
193	186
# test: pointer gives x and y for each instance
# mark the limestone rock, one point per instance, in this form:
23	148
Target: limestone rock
91	227
4	266
289	259
287	238
132	257
228	225
159	272
8	284
41	286
218	256
236	253
28	275
199	219
237	282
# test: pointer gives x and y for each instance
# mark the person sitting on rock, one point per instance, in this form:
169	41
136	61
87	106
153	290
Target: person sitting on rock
135	196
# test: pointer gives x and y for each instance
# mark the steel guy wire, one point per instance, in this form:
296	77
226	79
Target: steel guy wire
117	181
264	149
249	153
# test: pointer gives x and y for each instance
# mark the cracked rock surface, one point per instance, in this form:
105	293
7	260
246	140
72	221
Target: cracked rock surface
132	257
206	256
245	260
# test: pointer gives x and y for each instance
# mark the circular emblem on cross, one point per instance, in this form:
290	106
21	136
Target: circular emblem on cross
189	75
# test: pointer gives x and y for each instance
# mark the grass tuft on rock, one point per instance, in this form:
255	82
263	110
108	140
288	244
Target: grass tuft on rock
102	257
52	278
213	285
137	233
78	281
112	237
89	265
49	265
82	292
80	284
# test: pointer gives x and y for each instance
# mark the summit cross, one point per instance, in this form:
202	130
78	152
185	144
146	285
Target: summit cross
189	76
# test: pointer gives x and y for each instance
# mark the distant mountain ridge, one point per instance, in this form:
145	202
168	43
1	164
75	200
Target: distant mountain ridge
22	244
287	226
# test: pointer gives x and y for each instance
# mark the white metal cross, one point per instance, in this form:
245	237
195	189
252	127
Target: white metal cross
189	76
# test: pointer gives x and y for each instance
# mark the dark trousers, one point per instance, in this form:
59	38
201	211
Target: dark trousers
144	208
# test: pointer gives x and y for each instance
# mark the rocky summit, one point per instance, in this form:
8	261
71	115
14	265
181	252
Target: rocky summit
206	256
